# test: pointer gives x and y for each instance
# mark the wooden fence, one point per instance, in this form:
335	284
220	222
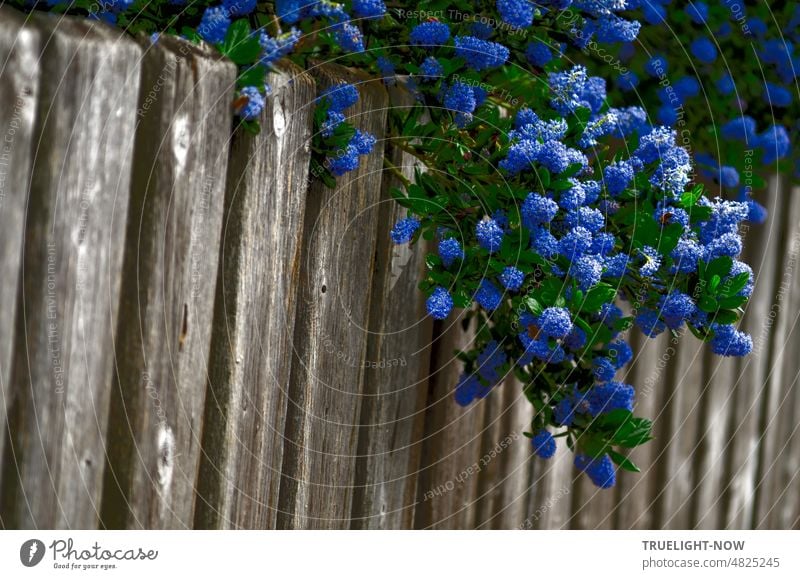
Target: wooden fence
198	334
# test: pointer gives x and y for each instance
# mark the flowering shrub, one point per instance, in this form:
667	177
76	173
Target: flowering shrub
576	222
723	74
558	220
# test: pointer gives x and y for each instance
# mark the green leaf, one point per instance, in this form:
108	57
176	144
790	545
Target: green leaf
732	302
623	461
239	44
731	287
253	76
721	266
432	261
726	317
707	304
614	419
597	296
594	446
533	306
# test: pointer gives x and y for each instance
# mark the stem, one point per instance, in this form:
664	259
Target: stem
394	169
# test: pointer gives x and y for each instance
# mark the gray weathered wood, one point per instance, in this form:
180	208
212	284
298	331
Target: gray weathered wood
760	246
395	370
776	396
495	442
326	382
784	513
515	462
19	87
448	481
63	354
673	462
550	497
633	509
254	312
169	276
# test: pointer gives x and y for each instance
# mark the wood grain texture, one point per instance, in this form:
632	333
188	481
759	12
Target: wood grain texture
330	338
448	482
169	276
19	87
395	370
515	461
251	347
633	508
760	248
495	442
550	497
784	512
775	420
75	225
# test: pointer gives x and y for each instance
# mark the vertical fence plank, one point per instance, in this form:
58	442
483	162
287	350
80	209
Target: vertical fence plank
515	461
784	513
395	369
251	344
676	431
760	248
550	497
169	277
717	375
330	341
495	441
776	397
448	485
647	373
75	229
19	87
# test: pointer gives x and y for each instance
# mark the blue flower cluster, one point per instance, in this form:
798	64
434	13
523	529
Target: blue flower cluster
337	99
592	231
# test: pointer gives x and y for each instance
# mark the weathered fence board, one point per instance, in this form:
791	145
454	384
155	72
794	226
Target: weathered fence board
395	371
495	441
448	481
760	247
326	382
634	507
550	500
169	278
678	471
515	461
785	511
776	396
254	312
19	87
75	225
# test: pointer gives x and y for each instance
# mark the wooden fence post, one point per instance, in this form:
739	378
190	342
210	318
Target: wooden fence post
516	460
396	367
75	225
254	313
326	383
504	457
647	374
19	88
448	481
760	249
775	420
784	512
169	276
